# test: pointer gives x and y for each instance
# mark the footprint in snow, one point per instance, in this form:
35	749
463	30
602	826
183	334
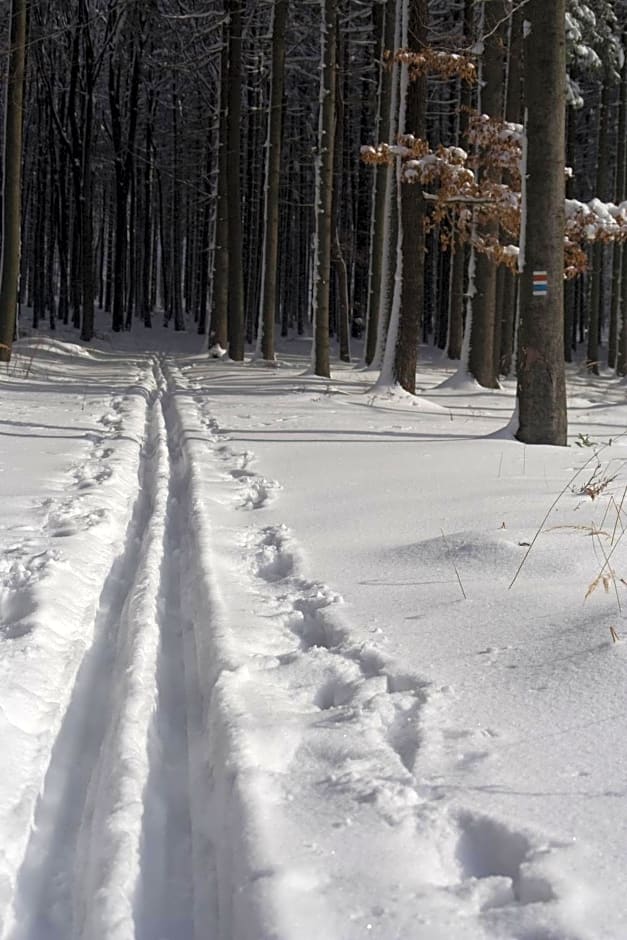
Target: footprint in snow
20	572
68	520
488	850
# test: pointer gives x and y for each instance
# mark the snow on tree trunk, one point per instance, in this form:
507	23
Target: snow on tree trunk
218	334
412	207
378	205
386	378
389	212
324	188
267	310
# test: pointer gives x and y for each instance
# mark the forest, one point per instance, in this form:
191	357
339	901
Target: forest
302	637
448	172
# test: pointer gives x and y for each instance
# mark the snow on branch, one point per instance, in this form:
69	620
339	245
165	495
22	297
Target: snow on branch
436	62
462	195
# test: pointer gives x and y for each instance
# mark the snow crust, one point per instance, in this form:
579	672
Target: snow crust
270	666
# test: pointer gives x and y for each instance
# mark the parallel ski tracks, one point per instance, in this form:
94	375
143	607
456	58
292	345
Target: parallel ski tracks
112	852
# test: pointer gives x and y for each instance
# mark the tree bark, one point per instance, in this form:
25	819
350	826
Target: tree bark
236	270
324	208
513	112
460	255
12	190
541	380
596	294
273	179
218	331
412	218
384	24
482	337
619	275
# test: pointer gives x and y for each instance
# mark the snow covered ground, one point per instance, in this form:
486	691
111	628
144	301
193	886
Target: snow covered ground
263	669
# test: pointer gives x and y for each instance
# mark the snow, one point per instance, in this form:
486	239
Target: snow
271	667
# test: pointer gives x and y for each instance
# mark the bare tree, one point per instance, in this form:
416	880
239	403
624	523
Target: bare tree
12	191
541	380
273	169
324	207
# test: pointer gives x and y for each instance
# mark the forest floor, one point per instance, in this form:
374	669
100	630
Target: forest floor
267	670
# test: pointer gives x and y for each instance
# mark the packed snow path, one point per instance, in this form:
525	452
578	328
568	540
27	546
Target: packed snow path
200	743
112	852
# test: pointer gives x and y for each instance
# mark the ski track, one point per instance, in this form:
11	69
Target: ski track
153	821
110	853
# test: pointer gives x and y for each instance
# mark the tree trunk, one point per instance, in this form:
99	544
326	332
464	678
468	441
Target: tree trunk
541	380
273	179
595	318
12	190
384	23
570	287
460	254
391	196
147	235
513	112
340	201
236	270
619	274
412	218
482	359
324	202
218	335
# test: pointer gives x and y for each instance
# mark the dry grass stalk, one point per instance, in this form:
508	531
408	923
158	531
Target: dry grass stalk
567	485
596	484
615	636
588	529
605	580
619	512
607	575
452	560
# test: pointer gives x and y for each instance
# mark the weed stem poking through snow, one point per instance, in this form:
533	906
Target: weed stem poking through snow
452	560
567	485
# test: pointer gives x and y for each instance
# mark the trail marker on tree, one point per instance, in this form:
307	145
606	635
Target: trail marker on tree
540	283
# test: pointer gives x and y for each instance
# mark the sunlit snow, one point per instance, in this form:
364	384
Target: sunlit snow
284	657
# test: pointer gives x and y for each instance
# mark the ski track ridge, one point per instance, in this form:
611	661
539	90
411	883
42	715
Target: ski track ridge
110	853
33	573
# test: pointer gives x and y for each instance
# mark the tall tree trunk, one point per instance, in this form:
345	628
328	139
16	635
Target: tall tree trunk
459	258
384	26
340	200
391	198
324	204
619	275
148	261
595	318
12	189
121	99
482	359
513	112
218	335
541	380
273	179
236	270
570	287
412	218
203	247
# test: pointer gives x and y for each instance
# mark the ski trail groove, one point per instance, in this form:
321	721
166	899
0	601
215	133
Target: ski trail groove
84	861
177	887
